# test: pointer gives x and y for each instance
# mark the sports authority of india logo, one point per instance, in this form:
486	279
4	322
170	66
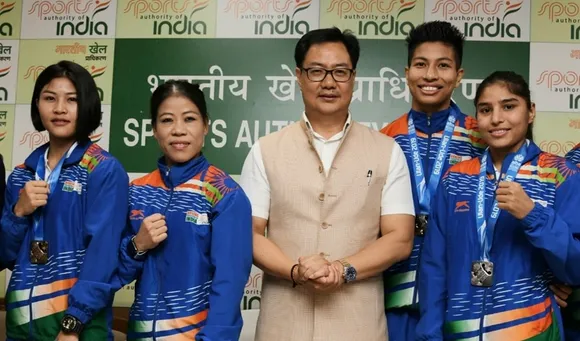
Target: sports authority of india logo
483	18
97	72
5	27
564	13
563	82
3	91
171	18
73	17
270	17
373	18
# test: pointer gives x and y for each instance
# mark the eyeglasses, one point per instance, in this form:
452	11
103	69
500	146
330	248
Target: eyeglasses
318	74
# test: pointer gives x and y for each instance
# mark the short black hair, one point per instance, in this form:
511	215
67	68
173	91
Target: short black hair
515	83
178	88
327	35
436	31
89	112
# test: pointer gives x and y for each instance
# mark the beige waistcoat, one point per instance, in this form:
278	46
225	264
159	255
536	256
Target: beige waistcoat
338	215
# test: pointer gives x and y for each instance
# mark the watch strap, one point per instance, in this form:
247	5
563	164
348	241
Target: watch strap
134	252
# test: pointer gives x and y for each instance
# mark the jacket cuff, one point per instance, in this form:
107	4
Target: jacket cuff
16	219
536	217
79	313
17	226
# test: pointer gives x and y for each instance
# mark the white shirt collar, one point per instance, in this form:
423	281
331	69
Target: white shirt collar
336	137
70	150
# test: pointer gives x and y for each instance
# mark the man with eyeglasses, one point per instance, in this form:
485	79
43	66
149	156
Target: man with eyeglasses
336	199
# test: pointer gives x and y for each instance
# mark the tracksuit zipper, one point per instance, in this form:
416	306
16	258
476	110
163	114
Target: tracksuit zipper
159	275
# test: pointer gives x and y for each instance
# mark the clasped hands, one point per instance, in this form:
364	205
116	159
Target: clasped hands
318	274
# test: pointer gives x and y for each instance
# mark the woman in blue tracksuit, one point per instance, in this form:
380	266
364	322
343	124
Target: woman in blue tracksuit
189	241
434	135
502	226
64	213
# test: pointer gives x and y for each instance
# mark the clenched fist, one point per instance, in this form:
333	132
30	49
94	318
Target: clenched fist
511	197
152	232
33	195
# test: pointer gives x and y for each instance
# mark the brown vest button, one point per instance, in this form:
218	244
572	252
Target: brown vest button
321	197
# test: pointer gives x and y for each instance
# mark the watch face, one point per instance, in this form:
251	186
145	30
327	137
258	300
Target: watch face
69	323
350	274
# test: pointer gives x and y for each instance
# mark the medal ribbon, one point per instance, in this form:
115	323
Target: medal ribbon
52	181
485	229
425	193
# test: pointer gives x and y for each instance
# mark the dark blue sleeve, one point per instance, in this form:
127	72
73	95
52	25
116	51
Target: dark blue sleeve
13	229
129	268
433	271
231	257
105	217
556	231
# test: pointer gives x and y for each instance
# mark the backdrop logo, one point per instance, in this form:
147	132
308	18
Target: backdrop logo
557	147
482	18
271	17
170	18
6	29
563	82
33	71
73	18
33	139
253	291
373	18
4	72
97	72
6	7
574	124
566	13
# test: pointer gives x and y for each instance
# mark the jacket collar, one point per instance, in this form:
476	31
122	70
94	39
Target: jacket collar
75	156
180	173
434	123
532	152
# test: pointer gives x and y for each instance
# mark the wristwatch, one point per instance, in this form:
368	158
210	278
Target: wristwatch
71	325
134	252
349	272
